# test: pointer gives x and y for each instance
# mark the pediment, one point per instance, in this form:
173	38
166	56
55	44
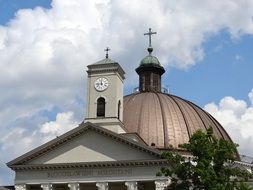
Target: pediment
85	144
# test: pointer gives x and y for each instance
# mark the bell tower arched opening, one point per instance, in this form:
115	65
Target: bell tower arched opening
101	107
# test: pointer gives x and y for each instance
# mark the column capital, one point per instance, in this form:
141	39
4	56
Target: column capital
162	184
102	185
20	187
46	186
73	186
131	185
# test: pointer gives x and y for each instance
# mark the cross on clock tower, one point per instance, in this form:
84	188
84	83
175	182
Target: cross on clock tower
105	94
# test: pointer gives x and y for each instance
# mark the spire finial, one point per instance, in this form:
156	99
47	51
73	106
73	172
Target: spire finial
149	33
107	50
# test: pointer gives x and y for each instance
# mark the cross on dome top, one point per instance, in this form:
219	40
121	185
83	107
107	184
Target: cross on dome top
107	50
149	33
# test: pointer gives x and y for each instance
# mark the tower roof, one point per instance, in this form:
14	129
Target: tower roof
149	60
150	70
105	61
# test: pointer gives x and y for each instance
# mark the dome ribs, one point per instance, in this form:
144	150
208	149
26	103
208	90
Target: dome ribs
165	131
174	137
217	127
197	112
166	119
126	102
130	111
181	136
220	128
140	119
208	119
186	122
206	127
154	117
142	126
157	120
192	117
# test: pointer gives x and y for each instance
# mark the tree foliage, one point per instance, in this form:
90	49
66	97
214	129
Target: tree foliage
211	165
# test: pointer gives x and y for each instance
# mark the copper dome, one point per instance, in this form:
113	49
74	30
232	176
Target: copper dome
166	120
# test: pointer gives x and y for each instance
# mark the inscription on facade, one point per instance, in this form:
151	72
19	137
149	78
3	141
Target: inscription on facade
90	173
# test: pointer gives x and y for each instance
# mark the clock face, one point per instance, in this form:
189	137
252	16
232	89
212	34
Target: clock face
101	84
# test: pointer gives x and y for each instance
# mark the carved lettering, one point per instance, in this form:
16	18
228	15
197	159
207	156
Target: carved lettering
90	173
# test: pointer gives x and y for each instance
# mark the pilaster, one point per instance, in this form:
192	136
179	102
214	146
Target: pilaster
73	186
162	184
131	185
46	186
20	187
102	185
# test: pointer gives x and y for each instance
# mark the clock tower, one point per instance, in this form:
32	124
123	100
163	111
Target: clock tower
105	94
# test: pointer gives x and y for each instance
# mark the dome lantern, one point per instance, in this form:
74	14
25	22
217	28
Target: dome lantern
150	70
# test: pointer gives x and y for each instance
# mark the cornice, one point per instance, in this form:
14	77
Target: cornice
131	163
244	163
81	129
103	68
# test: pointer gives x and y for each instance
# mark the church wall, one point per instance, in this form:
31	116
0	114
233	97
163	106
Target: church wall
87	175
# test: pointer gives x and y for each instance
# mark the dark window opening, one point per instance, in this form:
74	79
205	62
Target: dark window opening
156	82
147	81
101	107
119	104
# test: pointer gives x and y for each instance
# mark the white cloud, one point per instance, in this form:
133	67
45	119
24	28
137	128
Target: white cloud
63	123
237	118
230	104
251	96
21	139
44	53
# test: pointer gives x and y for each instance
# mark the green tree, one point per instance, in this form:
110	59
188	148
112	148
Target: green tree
210	167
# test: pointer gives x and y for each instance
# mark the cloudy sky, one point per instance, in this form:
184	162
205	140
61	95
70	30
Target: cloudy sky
45	46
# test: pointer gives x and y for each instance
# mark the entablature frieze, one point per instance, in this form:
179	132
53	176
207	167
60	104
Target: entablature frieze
160	162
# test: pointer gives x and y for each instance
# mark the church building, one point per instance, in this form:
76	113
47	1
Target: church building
118	146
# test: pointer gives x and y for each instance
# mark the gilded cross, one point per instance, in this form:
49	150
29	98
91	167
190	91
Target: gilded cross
107	50
149	33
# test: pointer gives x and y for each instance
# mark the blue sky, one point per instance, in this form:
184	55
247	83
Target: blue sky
9	8
226	70
205	47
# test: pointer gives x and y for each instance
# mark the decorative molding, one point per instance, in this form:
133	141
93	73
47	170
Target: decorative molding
102	185
126	163
131	185
106	67
244	163
20	187
81	129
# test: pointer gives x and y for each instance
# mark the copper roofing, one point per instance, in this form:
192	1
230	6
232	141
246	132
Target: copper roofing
150	59
165	120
